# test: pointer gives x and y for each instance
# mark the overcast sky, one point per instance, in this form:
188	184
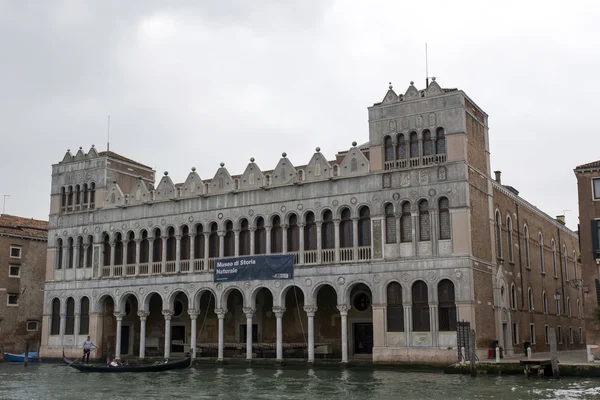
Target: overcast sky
195	83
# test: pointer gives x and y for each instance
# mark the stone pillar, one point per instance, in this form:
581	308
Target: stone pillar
143	315
206	252
221	244
221	316
192	244
249	314
124	264
278	311
252	239
319	225
415	233
167	314
98	268
150	253
268	239
310	313
284	248
77	326
63	326
163	267
337	235
300	243
119	317
433	222
85	255
138	242
379	325
236	244
177	253
433	324
193	317
355	239
112	259
75	255
343	309
407	324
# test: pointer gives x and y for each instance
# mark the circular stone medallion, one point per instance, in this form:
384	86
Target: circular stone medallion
341	280
308	282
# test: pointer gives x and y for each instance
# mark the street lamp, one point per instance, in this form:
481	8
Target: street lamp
557	295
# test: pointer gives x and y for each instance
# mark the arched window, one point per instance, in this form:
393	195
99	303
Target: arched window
427	143
541	250
84	316
414	145
389	148
213	241
390	224
569	307
260	237
327	231
70	318
229	239
90	249
527	258
513	297
406	223
498	234
444	218
70	198
447	306
554	268
85	193
70	248
144	247
565	262
171	244
395	310
420	307
118	249
511	251
80	251
424	224
346	239
545	302
55	318
440	142
310	232
530	298
77	195
63	198
401	147
59	253
293	243
92	194
131	248
578	309
574	265
364	226
197	241
106	249
276	237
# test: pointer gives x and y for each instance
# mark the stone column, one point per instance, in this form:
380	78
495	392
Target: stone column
119	317
98	268
407	324
300	243
433	219
221	243
337	235
319	225
85	255
124	265
65	260
167	314
177	253
143	315
236	244
112	259
193	317
252	239
284	248
379	324
76	327
192	244
138	242
75	255
268	239
150	253
433	324
279	311
310	313
163	267
249	314
355	239
206	249
415	233
63	326
343	309
221	316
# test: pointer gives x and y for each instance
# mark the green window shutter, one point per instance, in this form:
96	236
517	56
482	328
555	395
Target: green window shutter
595	242
598	291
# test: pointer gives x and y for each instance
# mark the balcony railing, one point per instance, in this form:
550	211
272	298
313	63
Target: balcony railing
327	256
414	162
170	267
310	256
347	254
184	266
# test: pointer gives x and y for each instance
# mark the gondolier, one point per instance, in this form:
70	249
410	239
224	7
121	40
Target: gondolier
87	347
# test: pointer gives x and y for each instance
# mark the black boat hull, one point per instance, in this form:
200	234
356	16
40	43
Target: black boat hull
166	366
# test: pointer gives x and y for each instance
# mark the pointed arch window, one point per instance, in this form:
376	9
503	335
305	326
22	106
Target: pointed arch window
414	145
428	149
513	297
389	149
346	239
70	248
77	195
440	142
70	318
171	244
424	223
293	243
420	307
395	309
276	239
406	223
55	318
511	250
80	252
90	249
213	241
310	232
84	316
198	242
390	224
59	253
243	239
401	147
92	194
446	306
157	246
85	193
184	244
541	250
527	257
144	248
444	218
327	231
70	198
106	249
498	234
63	198
118	249
364	226
131	248
260	237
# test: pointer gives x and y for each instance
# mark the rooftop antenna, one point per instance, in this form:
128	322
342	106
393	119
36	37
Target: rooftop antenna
108	136
4	204
426	68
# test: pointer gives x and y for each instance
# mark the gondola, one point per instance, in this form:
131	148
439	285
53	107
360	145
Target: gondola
32	357
156	367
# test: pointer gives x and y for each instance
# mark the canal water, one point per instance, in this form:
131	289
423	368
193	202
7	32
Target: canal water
54	381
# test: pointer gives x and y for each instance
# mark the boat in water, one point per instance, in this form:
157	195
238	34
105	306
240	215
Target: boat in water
33	356
156	367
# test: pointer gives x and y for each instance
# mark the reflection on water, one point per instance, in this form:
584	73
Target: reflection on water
48	381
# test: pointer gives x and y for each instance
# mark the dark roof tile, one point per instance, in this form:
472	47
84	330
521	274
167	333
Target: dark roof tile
19	226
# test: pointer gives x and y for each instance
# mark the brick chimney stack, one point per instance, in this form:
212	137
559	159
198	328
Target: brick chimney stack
498	176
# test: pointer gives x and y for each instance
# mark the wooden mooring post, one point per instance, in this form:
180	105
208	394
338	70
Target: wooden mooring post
26	355
472	353
553	355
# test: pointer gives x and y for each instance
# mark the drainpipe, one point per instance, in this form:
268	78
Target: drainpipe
562	279
520	261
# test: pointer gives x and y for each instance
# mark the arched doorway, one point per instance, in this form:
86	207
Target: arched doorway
327	323
360	320
128	344
207	334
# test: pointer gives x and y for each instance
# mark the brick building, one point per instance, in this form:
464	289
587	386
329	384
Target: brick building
588	187
22	275
393	241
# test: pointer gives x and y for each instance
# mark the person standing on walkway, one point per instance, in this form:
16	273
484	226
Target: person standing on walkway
87	347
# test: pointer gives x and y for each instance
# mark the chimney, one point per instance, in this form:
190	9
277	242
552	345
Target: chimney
498	176
561	219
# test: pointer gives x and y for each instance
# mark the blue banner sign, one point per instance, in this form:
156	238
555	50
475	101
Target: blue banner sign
248	268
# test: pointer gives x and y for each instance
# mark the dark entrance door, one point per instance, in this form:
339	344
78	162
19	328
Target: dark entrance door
363	338
125	339
177	333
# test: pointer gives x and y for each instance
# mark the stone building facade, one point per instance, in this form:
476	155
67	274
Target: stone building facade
22	279
588	187
393	242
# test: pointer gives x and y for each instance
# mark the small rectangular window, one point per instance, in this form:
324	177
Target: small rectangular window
532	333
596	184
14	271
13	299
15	252
32	326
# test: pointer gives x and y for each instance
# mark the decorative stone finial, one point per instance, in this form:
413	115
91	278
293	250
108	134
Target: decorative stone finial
68	150
391	87
193	169
251	159
353	144
166	173
412	83
93	146
284	154
115	181
222	164
318	149
80	148
433	78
